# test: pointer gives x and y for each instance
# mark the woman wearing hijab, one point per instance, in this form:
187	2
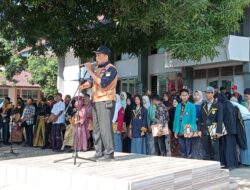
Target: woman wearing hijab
245	154
118	119
149	137
139	127
81	135
126	145
228	152
128	111
174	142
151	109
197	148
88	107
166	100
123	97
17	130
146	102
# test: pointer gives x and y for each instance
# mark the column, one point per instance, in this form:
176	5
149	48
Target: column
142	84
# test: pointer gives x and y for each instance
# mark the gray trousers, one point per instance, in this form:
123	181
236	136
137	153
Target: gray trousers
103	128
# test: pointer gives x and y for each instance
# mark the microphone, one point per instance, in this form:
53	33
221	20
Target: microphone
93	63
84	72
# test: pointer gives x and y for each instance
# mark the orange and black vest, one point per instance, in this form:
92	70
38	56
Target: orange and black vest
104	94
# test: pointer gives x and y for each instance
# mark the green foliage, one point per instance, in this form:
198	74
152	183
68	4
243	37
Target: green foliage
197	26
5	51
189	29
15	65
12	62
44	72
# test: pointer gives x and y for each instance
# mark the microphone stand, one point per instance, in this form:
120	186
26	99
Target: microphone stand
75	152
10	130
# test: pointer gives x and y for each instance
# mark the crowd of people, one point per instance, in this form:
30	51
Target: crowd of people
210	125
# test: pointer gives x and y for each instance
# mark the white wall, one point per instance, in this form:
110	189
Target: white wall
60	78
127	68
235	48
238	48
70	59
126	56
200	84
68	74
156	65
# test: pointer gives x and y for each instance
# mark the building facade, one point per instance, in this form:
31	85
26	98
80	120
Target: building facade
160	73
20	88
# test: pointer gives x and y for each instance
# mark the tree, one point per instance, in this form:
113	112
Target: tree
5	51
9	58
43	72
189	29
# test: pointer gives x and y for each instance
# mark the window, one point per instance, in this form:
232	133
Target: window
226	71
199	74
26	93
131	86
162	84
128	85
213	72
4	92
154	84
238	70
227	84
124	87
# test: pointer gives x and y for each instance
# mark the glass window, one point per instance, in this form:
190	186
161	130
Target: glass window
213	83
124	86
154	84
18	93
238	70
131	87
4	92
227	84
226	71
162	84
25	94
213	72
199	74
128	85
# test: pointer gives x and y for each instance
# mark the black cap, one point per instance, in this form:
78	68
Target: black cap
50	97
155	97
103	49
247	91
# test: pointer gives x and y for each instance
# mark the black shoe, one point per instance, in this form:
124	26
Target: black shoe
44	147
106	158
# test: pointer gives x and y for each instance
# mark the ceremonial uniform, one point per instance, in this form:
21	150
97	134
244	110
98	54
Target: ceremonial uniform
211	114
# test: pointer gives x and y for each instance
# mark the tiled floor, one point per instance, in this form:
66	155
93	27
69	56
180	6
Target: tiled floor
128	171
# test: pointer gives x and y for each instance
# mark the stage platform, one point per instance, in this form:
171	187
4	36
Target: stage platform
127	172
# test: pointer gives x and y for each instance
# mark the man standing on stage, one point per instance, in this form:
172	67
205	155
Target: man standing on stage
103	82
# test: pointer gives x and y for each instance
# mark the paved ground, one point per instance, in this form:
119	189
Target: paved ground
239	175
242	177
23	152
